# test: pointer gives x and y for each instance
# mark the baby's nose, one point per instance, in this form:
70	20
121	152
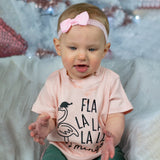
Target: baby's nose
82	55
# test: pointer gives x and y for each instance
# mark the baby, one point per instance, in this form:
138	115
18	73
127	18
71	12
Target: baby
81	106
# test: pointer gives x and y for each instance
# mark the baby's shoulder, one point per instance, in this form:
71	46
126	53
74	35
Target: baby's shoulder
110	73
55	76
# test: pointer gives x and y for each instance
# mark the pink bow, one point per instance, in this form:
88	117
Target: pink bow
81	19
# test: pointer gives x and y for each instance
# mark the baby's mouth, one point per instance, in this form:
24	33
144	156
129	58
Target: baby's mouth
81	67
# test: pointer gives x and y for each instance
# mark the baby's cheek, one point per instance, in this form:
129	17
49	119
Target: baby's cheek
67	61
95	63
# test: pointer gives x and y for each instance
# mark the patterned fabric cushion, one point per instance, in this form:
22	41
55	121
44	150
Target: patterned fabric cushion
11	43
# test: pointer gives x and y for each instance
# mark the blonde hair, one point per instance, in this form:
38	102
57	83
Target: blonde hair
93	11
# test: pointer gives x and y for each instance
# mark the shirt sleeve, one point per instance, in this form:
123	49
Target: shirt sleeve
118	101
46	100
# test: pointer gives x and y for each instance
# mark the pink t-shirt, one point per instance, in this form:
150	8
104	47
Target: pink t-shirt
80	108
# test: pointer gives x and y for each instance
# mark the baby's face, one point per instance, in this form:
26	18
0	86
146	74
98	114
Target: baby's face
82	50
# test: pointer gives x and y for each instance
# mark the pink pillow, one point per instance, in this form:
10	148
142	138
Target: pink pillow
11	43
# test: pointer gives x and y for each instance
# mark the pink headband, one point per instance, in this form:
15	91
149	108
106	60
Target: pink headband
81	19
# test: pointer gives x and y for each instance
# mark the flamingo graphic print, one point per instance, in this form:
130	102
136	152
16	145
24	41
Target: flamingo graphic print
64	129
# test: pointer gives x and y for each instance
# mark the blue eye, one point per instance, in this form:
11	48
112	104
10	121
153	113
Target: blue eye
73	48
91	49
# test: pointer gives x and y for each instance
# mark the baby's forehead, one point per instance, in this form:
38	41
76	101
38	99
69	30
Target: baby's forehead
88	34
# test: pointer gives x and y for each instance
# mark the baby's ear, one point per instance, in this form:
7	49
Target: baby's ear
106	48
57	45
